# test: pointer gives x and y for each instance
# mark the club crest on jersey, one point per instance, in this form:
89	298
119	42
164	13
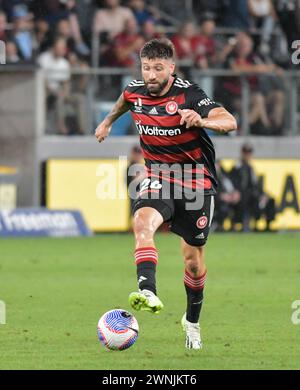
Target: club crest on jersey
171	108
201	222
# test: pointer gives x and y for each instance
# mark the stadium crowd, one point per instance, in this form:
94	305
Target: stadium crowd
239	35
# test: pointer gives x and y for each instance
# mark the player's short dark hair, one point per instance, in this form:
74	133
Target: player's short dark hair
158	48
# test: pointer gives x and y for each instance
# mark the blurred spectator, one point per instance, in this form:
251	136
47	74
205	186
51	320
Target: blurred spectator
58	76
8	7
236	14
126	47
81	46
266	113
149	31
12	56
183	42
193	48
3	26
204	46
63	29
109	22
208	7
142	12
23	31
112	19
263	17
85	12
77	96
254	203
226	199
42	35
53	11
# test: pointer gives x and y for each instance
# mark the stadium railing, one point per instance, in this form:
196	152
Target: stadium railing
104	85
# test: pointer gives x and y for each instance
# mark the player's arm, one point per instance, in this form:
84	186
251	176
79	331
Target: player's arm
118	109
202	112
218	119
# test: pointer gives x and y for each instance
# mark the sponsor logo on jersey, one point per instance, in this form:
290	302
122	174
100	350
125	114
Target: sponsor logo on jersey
171	108
202	222
154	130
138	106
153	111
205	102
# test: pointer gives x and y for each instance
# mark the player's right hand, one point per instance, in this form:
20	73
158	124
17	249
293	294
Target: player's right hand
102	131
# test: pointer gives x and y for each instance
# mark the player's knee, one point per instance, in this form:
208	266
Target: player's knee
193	269
192	264
194	259
143	228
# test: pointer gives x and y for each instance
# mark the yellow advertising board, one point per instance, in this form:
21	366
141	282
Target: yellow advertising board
97	188
281	180
8	187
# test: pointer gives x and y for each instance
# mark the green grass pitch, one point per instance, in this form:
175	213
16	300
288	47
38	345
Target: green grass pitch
55	291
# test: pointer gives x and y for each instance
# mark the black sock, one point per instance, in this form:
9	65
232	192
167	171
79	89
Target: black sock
146	276
194	304
146	260
194	287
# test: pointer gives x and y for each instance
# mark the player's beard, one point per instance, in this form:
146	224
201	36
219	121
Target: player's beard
156	88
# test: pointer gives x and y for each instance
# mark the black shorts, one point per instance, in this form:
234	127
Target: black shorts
192	225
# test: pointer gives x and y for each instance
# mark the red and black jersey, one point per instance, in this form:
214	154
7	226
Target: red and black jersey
162	138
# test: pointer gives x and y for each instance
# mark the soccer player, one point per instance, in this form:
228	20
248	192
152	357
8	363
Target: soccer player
171	115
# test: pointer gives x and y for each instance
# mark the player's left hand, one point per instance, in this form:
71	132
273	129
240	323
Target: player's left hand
191	118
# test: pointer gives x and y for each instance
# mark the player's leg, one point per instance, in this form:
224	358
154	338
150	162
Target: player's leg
146	221
193	226
152	207
194	280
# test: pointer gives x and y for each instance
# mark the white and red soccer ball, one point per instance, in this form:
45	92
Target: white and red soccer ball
118	329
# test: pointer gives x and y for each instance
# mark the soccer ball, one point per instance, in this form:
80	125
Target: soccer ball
118	329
